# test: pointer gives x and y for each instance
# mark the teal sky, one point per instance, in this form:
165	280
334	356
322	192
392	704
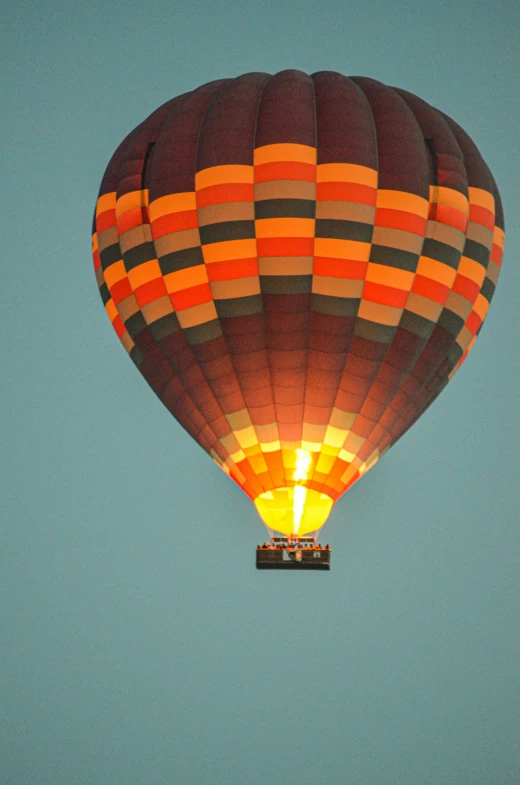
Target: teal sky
139	644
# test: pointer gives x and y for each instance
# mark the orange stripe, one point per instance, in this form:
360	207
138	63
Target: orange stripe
384	295
399	219
175	222
106	220
449	216
97	260
131	219
431	289
195	295
340	268
150	291
120	290
466	287
285	246
237	268
480	215
285	170
229	192
346	192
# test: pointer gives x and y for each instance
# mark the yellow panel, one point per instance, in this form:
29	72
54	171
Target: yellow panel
390	276
285	151
172	203
450	198
148	271
471	269
231	249
325	463
335	436
402	200
130	201
270	446
116	272
111	310
246	437
285	227
342	249
346	173
223	175
481	306
437	271
185	279
106	202
258	464
277	510
482	198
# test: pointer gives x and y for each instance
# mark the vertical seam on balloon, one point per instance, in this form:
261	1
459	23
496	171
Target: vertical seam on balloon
347	353
174	372
216	438
409	407
218	93
309	328
376	376
267	81
383	358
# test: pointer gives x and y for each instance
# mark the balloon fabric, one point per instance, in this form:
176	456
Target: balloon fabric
297	265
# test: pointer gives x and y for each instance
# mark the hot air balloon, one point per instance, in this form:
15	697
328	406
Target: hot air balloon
297	265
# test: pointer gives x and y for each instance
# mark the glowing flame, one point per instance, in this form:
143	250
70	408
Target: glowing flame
301	472
303	463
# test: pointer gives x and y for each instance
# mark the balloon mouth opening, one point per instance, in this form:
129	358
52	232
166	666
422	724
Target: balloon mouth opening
294	510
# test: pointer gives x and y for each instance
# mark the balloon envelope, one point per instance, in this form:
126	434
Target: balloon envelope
297	265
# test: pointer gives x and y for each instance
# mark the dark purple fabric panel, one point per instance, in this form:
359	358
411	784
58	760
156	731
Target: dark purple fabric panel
287	112
228	131
145	132
451	172
476	168
175	153
402	158
345	125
